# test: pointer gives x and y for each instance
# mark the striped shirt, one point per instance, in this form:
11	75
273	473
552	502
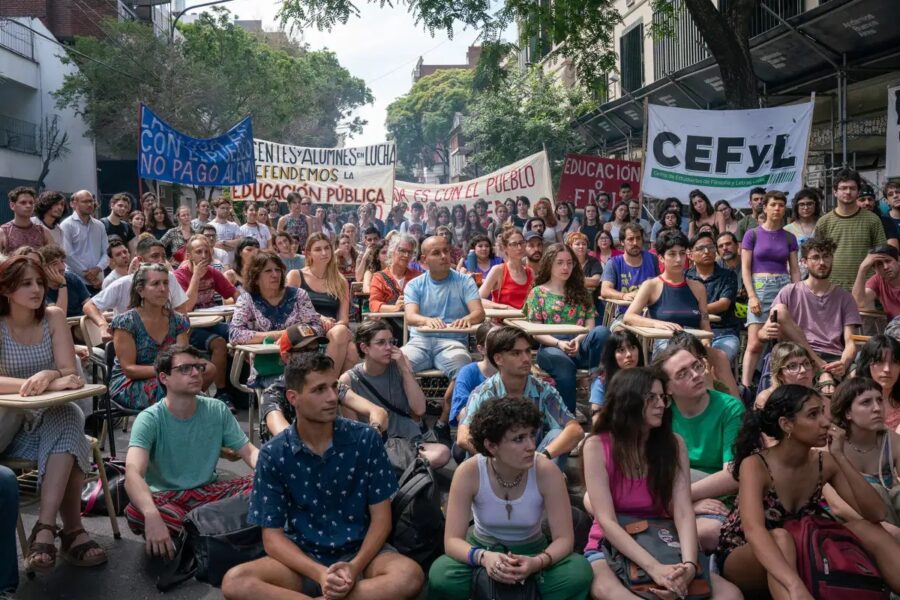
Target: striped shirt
855	236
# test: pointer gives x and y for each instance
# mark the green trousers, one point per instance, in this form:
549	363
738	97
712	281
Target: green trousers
568	579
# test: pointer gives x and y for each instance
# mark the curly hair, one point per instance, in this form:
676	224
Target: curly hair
576	292
786	402
499	415
373	261
46	201
818	243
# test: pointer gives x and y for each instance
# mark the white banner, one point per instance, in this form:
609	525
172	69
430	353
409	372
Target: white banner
725	153
892	148
528	177
327	175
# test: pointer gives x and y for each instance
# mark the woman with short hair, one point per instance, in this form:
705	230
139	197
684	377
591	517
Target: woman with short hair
879	359
789	363
507	488
508	284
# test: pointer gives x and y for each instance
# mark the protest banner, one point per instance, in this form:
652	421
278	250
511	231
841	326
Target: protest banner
341	176
725	153
165	154
584	177
528	177
892	148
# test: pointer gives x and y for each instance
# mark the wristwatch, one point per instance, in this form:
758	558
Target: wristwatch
546	453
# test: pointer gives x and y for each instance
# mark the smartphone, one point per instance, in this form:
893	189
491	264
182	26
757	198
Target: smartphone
774	316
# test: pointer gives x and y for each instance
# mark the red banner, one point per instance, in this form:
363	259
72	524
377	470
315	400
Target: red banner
585	177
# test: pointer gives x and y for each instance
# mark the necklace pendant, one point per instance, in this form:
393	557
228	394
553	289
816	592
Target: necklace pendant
509	509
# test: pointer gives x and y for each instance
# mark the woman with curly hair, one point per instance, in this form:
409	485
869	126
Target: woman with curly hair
559	296
376	260
785	482
635	466
481	258
346	254
507	488
473	225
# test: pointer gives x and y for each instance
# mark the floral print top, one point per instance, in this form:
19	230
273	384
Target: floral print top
543	306
252	314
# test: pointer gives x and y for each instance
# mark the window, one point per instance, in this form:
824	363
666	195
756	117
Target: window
631	55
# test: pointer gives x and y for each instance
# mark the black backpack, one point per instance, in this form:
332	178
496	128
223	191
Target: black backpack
418	531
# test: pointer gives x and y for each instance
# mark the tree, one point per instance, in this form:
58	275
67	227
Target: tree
579	30
528	113
420	121
204	84
53	144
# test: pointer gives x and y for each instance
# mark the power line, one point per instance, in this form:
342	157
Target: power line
77	52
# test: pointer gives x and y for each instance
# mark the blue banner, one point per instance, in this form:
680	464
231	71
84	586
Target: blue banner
169	155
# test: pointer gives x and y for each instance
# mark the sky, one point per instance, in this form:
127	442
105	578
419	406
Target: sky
381	46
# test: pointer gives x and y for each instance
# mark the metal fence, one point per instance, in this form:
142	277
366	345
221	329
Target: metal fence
18	135
16	38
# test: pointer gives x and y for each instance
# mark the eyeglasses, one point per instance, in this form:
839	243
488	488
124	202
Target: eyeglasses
696	368
188	368
705	248
306	204
653	398
795	367
404	252
384	342
518	244
806	205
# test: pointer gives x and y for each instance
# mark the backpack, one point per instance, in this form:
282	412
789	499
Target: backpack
418	531
93	502
832	563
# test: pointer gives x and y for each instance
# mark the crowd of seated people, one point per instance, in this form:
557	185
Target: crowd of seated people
725	455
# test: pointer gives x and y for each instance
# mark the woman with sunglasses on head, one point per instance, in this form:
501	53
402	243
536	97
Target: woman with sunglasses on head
385	378
635	466
507	489
858	408
879	359
508	284
785	482
622	351
37	356
139	335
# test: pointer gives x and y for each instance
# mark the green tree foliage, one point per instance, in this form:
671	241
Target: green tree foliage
528	113
217	74
581	31
420	121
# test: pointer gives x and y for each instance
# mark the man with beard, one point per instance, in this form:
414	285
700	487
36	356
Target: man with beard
537	225
534	249
624	274
603	207
757	196
117	221
730	258
48	212
884	285
815	313
721	291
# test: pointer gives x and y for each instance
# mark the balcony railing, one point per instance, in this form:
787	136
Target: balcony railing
17	135
16	38
686	46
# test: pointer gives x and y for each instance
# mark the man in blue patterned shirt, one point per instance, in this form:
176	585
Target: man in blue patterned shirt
322	495
509	350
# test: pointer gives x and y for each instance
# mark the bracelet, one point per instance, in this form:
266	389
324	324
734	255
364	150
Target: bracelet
480	558
549	560
471	557
695	565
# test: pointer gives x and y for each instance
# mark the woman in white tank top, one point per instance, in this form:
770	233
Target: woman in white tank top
507	489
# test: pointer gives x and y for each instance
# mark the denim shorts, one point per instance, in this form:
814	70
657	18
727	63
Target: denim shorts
766	288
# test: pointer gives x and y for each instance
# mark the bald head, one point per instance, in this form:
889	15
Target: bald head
82	203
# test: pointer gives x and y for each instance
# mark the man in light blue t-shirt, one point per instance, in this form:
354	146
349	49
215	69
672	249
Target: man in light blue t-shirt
440	299
175	445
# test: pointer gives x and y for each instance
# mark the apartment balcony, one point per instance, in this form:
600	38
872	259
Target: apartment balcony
18	135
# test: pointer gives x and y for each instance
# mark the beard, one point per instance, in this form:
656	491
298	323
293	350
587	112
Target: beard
729	256
825	274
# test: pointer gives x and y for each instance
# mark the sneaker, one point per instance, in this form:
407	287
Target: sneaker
442	431
225	397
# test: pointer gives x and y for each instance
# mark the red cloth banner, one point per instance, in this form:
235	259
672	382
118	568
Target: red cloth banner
584	177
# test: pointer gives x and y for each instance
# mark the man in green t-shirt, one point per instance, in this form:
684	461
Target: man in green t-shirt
175	445
853	229
708	421
748	222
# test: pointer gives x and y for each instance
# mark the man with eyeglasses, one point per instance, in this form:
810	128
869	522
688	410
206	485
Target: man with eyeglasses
855	231
721	293
708	421
815	313
162	485
219	256
85	241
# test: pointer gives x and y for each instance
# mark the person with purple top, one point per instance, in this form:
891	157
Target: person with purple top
768	263
624	274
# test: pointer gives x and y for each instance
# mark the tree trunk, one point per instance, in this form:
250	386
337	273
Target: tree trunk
728	38
45	170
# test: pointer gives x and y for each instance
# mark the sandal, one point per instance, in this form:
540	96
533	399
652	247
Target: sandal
77	555
37	548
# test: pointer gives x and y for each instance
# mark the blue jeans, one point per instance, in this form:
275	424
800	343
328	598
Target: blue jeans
9	511
202	336
727	342
562	367
434	352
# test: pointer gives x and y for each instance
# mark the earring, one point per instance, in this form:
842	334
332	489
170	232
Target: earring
789	435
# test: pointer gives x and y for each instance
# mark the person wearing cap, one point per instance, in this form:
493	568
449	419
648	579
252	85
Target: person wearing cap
385	378
534	249
884	285
162	486
276	413
868	202
816	313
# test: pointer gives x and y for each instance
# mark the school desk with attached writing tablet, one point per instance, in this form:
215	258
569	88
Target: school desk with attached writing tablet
546	328
48	399
503	313
648	334
204	321
248	351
